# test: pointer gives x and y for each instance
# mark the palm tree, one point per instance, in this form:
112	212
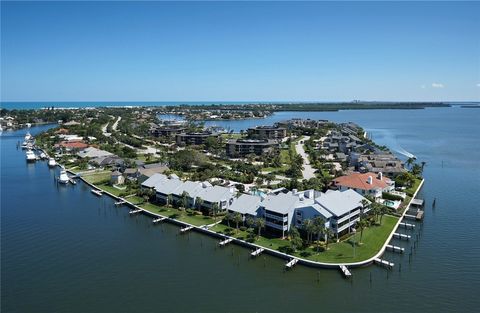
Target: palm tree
199	202
383	211
295	239
362	224
237	218
319	226
309	228
410	161
328	234
170	200
259	223
214	210
185	197
229	217
375	210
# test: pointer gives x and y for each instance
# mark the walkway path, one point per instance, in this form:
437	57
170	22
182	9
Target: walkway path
308	171
104	130
114	126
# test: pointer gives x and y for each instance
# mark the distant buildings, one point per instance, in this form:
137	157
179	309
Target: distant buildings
194	138
267	132
243	147
381	162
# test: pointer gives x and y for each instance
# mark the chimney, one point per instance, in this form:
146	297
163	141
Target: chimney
380	175
294	191
369	180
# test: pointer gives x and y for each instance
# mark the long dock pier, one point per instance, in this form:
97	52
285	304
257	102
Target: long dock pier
395	248
291	263
402	236
384	263
257	252
225	242
158	220
185	229
135	211
406	225
345	271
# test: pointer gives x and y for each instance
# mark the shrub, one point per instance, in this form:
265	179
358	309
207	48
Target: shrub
243	228
389	196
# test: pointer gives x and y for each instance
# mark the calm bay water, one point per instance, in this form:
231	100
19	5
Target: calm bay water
65	250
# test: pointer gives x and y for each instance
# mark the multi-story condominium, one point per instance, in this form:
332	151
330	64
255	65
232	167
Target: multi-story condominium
243	147
267	132
194	138
366	184
166	131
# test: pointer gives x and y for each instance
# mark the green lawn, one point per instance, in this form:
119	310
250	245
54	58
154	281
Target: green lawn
197	219
97	176
410	191
110	189
373	239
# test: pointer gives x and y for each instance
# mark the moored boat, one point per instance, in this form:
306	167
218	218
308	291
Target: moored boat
30	155
52	162
63	178
28	137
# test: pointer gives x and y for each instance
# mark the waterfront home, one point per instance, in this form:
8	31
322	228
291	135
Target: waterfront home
366	184
165	188
279	212
116	178
247	206
219	196
92	152
195	138
191	189
384	162
72	145
112	160
152	181
243	147
151	169
267	132
131	173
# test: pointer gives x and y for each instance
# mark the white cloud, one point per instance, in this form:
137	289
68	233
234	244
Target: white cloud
478	85
437	85
423	86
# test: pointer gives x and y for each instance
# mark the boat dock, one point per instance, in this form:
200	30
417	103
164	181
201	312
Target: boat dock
257	252
120	202
185	229
225	242
97	192
345	271
135	211
406	225
417	203
384	263
395	248
158	220
419	215
402	236
291	263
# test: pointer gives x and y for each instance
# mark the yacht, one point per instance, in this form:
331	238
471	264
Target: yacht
63	178
28	136
43	156
52	162
31	157
28	125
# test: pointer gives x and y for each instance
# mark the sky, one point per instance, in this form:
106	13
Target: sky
240	51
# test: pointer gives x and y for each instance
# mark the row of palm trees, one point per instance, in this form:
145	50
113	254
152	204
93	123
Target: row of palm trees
237	218
316	226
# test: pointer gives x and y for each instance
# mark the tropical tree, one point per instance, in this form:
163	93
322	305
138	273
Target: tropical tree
328	234
237	218
375	210
309	227
169	200
362	224
319	228
383	210
410	162
199	202
259	223
214	210
295	239
184	200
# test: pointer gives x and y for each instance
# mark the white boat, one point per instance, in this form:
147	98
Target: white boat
63	178
31	157
28	125
28	137
52	162
43	155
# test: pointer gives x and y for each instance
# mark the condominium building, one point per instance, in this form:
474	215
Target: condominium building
243	147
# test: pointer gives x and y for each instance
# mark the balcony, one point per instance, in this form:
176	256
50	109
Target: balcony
277	218
276	226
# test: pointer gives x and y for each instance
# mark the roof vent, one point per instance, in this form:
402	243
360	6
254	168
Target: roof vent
380	175
370	180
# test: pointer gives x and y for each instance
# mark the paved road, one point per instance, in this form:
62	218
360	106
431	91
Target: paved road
114	126
308	171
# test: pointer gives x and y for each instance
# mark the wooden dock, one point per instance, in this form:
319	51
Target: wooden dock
406	225
384	263
419	215
135	211
412	217
120	202
402	236
225	242
97	192
257	252
395	248
158	220
185	229
291	263
417	202
345	271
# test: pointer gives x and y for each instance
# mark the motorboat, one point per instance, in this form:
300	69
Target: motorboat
52	162
31	157
43	155
28	136
63	178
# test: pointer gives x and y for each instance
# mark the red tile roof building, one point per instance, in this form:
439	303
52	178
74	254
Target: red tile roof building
365	183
